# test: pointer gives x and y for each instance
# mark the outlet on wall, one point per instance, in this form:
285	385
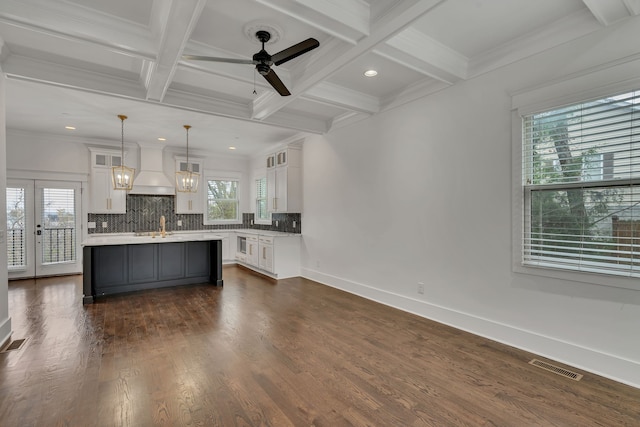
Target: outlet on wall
104	225
179	223
420	288
276	222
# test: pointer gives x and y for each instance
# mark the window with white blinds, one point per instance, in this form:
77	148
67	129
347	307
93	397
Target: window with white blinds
58	225
261	200
581	176
16	228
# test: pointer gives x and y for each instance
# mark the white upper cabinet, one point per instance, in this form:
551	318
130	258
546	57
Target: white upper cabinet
284	180
103	198
190	203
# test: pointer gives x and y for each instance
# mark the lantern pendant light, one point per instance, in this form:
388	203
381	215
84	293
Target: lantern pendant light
122	176
187	180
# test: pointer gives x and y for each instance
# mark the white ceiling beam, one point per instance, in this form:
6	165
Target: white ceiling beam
347	20
347	118
333	56
299	122
421	53
560	31
23	68
340	96
65	21
412	92
203	104
206	105
633	6
608	12
242	72
181	20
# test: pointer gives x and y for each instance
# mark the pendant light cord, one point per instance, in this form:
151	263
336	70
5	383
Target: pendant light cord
187	127
122	119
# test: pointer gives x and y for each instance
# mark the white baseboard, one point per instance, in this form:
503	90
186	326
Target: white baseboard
607	365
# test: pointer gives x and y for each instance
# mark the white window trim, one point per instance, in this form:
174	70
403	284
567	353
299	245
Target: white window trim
621	78
222	176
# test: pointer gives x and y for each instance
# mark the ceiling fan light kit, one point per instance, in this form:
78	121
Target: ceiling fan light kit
264	61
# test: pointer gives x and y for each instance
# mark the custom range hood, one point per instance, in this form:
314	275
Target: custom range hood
151	179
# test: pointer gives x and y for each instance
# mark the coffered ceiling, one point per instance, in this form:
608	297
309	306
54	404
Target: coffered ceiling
82	62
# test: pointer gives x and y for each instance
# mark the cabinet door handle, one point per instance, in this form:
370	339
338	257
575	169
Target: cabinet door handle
250	249
264	253
275	204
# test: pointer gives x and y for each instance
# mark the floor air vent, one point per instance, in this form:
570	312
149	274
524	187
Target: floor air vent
556	369
14	345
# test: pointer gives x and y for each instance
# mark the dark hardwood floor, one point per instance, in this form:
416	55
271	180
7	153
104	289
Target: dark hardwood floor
258	353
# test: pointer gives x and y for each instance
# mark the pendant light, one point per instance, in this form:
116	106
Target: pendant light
122	176
187	180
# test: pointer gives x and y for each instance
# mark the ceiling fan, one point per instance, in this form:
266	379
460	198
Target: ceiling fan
263	61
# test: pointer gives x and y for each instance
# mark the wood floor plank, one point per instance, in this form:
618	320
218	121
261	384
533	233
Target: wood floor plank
264	353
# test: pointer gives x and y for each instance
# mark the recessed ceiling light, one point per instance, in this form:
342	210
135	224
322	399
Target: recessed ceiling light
232	148
162	139
70	127
371	73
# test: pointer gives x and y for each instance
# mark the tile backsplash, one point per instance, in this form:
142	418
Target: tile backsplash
144	212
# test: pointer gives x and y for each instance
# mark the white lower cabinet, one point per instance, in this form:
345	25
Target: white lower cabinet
265	252
252	250
274	256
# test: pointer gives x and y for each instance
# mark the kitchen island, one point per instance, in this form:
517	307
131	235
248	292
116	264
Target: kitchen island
124	263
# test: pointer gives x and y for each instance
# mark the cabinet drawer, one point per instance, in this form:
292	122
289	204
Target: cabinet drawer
267	240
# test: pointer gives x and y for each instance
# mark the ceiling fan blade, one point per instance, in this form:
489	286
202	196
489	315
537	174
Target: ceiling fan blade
277	84
214	59
294	51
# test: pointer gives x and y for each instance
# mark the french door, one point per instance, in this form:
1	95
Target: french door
43	228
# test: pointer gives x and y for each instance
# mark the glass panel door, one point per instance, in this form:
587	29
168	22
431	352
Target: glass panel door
43	224
57	228
20	221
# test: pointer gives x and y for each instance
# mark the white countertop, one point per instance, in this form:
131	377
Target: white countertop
186	236
132	239
261	232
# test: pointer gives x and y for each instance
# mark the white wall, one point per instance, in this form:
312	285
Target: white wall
424	193
33	155
5	320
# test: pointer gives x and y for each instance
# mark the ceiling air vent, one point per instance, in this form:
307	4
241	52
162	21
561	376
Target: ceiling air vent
556	369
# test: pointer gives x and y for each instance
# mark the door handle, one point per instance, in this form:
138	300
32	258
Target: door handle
39	232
